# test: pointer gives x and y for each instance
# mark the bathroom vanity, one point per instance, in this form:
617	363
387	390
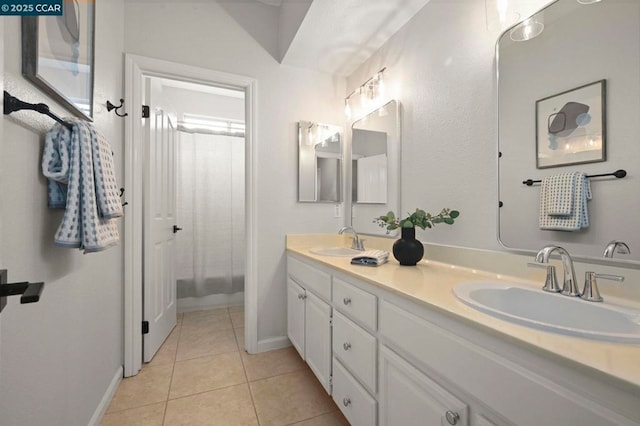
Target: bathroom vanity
393	346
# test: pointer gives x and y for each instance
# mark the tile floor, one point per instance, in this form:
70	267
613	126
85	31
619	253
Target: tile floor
201	376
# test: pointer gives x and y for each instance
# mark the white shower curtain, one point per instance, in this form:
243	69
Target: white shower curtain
210	248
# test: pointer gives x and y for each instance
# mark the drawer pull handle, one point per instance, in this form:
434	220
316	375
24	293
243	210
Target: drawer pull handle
346	346
452	417
346	300
346	401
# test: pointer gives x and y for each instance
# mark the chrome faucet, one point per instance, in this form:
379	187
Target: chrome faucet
357	242
616	246
569	286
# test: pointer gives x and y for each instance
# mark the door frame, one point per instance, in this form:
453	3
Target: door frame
136	68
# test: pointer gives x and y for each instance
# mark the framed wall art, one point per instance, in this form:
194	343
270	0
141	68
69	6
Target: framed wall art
58	55
570	127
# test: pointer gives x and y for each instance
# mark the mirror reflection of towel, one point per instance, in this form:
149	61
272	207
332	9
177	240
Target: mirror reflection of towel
563	202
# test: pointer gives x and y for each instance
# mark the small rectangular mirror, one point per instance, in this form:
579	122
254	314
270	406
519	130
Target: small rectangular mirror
375	167
319	162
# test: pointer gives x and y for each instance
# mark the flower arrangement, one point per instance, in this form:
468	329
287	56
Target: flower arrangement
419	218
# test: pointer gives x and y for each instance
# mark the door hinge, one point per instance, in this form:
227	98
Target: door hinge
145	327
331	380
145	111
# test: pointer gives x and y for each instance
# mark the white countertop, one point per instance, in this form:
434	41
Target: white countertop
430	284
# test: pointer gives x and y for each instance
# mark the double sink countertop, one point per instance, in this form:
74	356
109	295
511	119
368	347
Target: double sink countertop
431	284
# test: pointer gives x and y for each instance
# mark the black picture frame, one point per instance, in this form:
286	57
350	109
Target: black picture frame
58	55
571	127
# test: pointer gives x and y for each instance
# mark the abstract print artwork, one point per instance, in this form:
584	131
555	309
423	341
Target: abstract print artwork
570	127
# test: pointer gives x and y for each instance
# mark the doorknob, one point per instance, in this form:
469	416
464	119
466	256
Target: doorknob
176	229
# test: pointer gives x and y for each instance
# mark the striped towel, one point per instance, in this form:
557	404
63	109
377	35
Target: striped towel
79	166
563	202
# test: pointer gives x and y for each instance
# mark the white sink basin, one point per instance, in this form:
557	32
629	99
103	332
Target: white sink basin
552	311
335	251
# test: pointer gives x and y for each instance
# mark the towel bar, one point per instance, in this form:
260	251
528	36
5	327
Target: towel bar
618	174
13	104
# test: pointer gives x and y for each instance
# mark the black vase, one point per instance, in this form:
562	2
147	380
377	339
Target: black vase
407	250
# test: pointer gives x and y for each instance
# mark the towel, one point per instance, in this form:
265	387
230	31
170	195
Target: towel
563	202
81	177
371	258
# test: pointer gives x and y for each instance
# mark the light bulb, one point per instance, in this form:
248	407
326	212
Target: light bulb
527	30
347	108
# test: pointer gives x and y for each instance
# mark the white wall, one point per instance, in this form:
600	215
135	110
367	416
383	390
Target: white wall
440	66
58	355
191	102
206	35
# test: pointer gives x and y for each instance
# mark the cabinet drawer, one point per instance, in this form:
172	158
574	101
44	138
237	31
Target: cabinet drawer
356	349
355	303
310	278
476	369
354	402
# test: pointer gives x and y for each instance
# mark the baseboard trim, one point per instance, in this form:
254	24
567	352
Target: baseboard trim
98	414
273	343
190	304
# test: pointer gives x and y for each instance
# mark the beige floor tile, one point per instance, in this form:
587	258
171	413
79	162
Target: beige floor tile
229	406
205	374
179	318
204	343
213	321
150	415
240	338
332	419
167	352
151	385
237	319
290	398
239	308
272	363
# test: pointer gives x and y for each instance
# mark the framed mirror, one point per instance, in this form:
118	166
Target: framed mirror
554	114
375	167
319	162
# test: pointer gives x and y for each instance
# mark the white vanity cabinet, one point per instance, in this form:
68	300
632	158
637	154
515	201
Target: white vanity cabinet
408	397
389	360
309	317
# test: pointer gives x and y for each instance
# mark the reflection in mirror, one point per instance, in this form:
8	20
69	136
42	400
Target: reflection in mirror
319	162
580	44
375	167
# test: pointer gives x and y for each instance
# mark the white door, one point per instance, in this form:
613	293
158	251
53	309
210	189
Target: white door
408	397
317	342
159	291
295	315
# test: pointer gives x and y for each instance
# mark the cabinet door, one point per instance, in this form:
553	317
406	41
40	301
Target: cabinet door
317	345
408	397
295	315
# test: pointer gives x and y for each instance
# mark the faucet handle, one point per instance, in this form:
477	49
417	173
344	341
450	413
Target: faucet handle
590	292
551	282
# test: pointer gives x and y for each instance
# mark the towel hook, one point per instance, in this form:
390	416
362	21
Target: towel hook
111	106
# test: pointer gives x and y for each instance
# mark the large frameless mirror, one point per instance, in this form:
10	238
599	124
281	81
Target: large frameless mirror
568	82
375	167
319	162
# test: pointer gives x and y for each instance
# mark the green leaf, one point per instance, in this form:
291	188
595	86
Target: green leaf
391	216
448	221
454	213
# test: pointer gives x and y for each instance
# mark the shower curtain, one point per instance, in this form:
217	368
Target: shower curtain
210	248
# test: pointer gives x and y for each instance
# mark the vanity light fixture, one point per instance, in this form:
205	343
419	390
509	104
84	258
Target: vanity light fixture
527	29
588	1
370	91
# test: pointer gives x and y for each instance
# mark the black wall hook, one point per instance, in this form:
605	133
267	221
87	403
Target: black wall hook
111	106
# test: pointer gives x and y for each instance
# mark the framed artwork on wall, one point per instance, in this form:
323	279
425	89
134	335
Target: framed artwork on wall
570	127
58	55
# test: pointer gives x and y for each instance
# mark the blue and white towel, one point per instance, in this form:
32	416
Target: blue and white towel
79	166
563	202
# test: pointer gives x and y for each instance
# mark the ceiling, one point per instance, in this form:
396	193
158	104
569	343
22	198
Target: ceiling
337	36
332	36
